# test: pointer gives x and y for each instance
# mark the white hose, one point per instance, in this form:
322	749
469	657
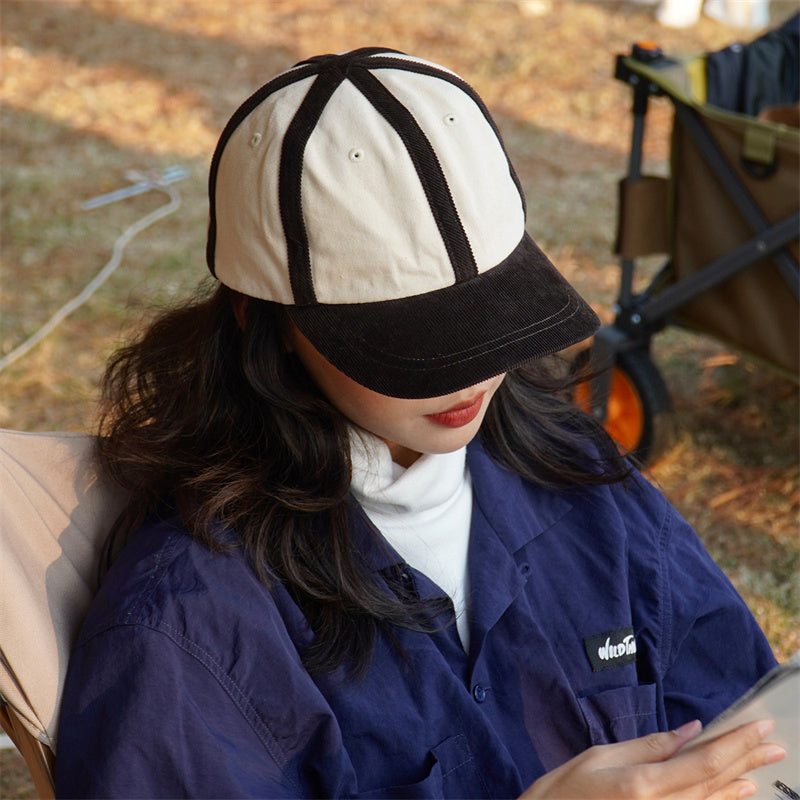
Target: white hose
98	280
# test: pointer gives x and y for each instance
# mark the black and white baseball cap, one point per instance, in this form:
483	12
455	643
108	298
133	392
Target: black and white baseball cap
370	193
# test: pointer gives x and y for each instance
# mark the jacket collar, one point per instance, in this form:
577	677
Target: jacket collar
518	511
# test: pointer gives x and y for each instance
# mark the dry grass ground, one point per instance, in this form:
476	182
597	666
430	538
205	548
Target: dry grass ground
93	89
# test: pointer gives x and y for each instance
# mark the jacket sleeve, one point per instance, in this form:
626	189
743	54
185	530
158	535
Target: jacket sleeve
713	649
144	716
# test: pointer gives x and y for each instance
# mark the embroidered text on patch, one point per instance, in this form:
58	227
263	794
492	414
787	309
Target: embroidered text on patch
611	649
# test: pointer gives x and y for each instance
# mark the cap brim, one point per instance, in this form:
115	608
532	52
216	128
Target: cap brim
443	341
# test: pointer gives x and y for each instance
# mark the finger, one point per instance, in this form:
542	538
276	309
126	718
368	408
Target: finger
717	763
653	748
750	762
739	789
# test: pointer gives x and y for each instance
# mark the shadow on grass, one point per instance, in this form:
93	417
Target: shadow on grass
214	68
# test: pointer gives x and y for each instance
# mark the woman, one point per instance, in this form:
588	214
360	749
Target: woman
371	550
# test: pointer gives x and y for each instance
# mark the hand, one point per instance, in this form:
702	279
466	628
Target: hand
652	767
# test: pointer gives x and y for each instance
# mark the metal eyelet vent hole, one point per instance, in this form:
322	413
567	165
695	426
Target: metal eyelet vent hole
255	140
356	154
451	119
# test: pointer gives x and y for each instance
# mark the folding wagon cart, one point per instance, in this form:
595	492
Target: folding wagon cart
726	217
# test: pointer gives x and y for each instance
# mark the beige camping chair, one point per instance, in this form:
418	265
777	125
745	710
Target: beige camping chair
54	515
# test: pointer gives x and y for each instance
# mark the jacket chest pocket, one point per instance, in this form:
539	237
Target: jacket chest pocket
452	773
615	715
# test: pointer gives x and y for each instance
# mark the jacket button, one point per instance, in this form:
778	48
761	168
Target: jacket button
479	693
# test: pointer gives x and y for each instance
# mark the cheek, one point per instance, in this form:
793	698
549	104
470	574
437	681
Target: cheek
367	409
494	385
383	415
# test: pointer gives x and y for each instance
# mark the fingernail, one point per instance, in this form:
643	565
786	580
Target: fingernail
774	754
747	789
689	729
765	726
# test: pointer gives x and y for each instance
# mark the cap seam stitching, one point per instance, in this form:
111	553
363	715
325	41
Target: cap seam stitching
566	312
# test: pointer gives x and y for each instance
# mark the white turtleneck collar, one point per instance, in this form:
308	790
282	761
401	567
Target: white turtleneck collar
424	512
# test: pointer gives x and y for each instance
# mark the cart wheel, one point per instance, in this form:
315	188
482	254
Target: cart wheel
637	397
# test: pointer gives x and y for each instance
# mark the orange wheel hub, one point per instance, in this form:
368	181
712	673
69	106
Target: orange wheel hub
625	412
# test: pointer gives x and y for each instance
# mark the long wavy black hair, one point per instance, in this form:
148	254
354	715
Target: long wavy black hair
219	420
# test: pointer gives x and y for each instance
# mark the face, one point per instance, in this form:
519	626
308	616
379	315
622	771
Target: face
409	427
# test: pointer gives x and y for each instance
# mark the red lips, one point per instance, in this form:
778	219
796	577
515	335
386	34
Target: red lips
459	415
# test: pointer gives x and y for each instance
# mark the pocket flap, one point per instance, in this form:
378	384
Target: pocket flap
615	715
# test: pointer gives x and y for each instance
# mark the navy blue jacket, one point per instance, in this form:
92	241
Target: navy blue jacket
596	617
